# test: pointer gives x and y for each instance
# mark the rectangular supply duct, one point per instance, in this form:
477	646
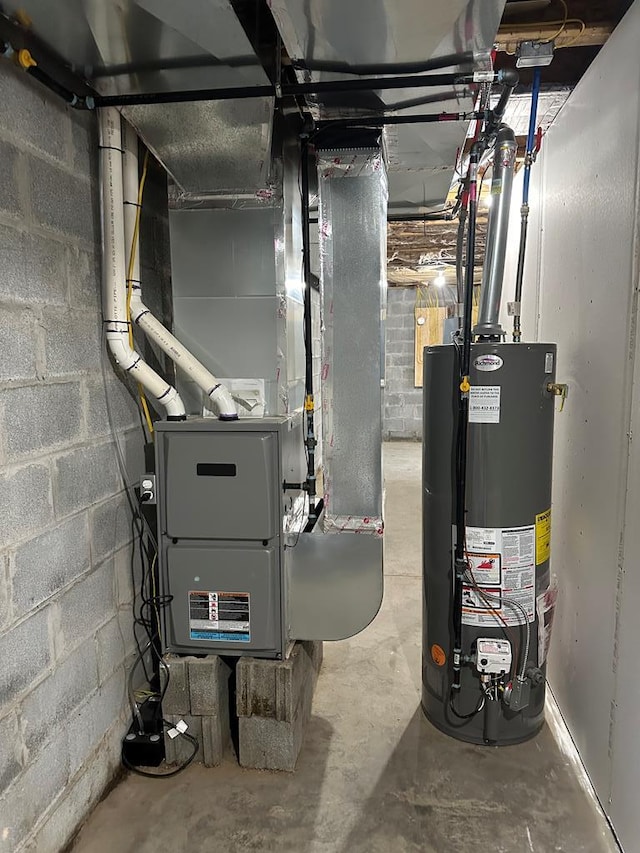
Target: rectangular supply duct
336	583
353	217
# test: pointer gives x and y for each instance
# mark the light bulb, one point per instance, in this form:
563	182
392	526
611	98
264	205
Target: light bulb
440	280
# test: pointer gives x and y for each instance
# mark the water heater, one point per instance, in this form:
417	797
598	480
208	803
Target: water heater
505	590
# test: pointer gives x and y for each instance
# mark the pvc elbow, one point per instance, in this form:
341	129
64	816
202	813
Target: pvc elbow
224	403
121	351
174	406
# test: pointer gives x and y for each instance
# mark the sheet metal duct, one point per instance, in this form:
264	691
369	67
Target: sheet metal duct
420	157
159	45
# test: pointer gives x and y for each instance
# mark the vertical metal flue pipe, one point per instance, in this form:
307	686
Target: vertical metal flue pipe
493	272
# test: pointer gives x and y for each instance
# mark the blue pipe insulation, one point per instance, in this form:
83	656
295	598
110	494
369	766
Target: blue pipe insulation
535	91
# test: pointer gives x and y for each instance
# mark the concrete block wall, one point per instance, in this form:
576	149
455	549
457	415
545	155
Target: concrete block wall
65	537
402	400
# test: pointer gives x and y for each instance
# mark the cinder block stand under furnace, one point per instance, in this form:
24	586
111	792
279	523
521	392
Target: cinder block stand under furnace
511	413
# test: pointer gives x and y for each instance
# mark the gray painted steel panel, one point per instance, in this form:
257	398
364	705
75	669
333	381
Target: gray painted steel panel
509	483
221	485
231	567
198	554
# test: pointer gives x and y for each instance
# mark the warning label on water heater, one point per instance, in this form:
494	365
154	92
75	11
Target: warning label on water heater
484	404
219	616
502	576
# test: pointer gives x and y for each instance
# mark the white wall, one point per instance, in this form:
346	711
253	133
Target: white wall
582	279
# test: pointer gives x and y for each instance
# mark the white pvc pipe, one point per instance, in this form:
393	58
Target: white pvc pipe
114	294
141	315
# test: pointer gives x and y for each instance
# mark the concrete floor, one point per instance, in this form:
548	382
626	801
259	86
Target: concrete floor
373	775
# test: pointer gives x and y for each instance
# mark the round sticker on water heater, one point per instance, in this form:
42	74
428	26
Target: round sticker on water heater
488	362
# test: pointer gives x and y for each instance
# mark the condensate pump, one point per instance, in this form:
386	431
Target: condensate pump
488	440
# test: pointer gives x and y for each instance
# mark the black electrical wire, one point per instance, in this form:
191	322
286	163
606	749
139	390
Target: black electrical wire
470	715
148	775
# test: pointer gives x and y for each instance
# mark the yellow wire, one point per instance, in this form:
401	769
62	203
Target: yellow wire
563	25
132	257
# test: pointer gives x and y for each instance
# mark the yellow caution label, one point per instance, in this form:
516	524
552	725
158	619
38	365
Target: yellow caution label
543	537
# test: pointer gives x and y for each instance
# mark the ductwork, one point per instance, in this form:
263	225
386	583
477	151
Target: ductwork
214	390
488	324
114	297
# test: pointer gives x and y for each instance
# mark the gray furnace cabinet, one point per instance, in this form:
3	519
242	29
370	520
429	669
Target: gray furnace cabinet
226	526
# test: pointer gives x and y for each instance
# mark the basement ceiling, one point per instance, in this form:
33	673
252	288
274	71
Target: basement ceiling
588	26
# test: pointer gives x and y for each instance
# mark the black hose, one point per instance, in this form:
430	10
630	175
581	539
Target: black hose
365	84
448	61
463	420
58	89
309	405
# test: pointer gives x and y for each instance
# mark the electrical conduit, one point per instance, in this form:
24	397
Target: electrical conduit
140	314
114	296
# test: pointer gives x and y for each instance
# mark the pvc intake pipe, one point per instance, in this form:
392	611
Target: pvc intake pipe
141	315
114	296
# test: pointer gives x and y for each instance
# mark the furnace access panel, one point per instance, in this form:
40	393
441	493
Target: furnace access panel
223	517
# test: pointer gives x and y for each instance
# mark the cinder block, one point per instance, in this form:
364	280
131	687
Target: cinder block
40	418
208	685
85	476
110	649
122	571
78	798
84	134
31	114
24	652
87	605
83	270
5	592
87	724
315	652
12	258
63	202
10	750
10	201
123	406
111	528
17	341
176	696
178	749
30	793
394	425
25	503
216	737
274	705
45	564
72	341
46	707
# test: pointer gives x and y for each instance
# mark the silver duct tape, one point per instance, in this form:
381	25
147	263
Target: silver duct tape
347	163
